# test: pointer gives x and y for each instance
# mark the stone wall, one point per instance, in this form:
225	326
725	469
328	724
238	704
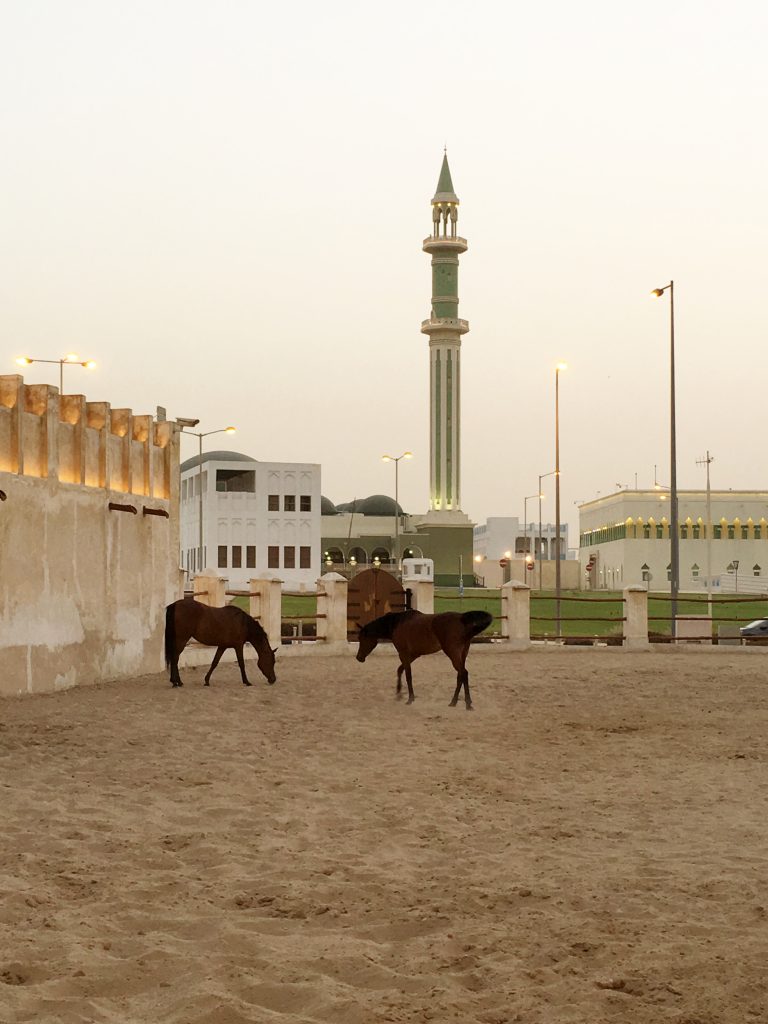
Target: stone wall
89	539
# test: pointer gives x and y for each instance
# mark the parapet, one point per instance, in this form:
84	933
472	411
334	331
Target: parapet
63	437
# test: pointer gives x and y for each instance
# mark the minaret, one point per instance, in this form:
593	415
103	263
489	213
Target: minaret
445	330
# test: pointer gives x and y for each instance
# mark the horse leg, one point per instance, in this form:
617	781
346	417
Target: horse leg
214	663
409	680
399	690
462	677
182	640
241	663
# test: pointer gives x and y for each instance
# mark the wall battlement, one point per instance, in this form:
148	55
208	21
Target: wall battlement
63	437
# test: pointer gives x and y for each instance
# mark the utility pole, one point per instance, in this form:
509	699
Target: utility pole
706	462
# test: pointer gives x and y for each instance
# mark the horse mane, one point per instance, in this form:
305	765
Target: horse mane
256	632
383	627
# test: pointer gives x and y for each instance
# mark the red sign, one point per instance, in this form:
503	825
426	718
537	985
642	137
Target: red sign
529	567
503	562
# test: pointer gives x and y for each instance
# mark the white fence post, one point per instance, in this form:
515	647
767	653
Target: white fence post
516	615
210	589
636	614
266	603
332	611
422	595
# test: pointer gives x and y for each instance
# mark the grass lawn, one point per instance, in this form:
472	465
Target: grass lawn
578	617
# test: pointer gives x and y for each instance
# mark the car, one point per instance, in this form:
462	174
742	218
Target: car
757	628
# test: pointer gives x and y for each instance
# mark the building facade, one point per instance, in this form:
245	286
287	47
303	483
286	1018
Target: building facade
624	538
258	518
508	539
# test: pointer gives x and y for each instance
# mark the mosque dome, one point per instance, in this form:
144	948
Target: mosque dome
327	508
216	457
380	505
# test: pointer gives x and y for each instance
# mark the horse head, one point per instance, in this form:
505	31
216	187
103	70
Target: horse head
367	642
266	662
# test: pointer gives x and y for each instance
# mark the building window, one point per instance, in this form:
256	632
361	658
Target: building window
646	532
236	480
745	533
289	503
289	557
756	570
758	532
273	557
237	556
695	571
273	503
222	556
659	531
717	531
305	503
731	532
646	572
250	556
696	532
669	572
305	557
683	532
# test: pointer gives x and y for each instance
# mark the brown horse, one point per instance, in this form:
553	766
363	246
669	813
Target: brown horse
216	627
414	634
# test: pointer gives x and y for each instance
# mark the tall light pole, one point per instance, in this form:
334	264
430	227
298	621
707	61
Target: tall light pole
71	359
528	498
706	462
396	460
674	529
558	368
542	476
200	436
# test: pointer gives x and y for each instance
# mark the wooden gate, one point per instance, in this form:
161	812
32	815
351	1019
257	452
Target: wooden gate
372	593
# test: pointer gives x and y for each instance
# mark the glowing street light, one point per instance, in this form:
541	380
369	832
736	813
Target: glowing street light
396	460
185	428
71	359
674	533
558	368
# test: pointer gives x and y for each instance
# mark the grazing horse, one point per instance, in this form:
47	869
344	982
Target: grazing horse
414	634
215	627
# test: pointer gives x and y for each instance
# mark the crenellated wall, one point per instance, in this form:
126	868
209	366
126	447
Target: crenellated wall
89	538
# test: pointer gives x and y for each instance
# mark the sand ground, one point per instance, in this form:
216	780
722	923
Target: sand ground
589	845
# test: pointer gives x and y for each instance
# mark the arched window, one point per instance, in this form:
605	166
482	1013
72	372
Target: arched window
695	571
756	570
646	531
382	555
669	572
646	572
358	556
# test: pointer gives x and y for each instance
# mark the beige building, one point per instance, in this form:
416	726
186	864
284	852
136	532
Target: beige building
624	538
89	539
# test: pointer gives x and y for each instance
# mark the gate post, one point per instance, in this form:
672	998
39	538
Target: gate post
422	596
332	611
636	614
210	589
266	604
516	615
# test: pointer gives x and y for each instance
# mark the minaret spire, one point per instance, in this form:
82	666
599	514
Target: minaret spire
445	330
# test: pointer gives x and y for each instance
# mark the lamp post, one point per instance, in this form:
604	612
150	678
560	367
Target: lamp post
674	530
396	460
71	359
200	436
528	498
558	368
542	476
706	462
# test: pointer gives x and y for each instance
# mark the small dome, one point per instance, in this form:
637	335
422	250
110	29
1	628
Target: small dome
215	457
380	505
327	508
351	506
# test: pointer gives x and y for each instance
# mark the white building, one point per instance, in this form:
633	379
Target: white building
624	538
509	540
259	518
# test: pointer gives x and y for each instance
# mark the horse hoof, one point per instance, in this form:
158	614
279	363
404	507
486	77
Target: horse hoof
246	683
470	708
453	704
206	683
410	700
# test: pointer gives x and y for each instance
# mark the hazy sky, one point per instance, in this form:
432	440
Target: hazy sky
224	203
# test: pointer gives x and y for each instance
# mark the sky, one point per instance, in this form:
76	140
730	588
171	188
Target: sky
223	204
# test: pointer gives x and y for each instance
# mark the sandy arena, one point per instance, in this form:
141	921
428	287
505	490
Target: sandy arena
589	845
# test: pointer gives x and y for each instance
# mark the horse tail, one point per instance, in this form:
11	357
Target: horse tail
170	634
475	622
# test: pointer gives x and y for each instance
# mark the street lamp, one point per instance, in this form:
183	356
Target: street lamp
200	436
674	531
396	460
526	546
542	476
71	359
558	368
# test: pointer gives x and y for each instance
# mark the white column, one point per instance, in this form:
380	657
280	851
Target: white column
332	611
422	596
636	615
266	603
516	615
